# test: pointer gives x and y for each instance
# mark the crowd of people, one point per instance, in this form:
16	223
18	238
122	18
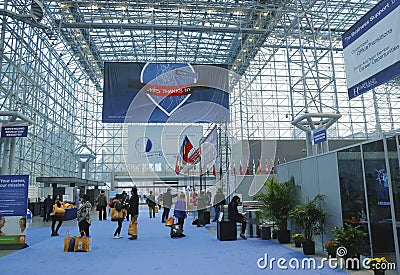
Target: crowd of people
122	206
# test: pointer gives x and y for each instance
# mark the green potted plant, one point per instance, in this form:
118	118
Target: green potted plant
277	203
311	218
353	239
298	238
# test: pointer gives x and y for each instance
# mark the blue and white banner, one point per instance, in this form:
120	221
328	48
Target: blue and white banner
14	131
165	92
13	195
319	136
371	48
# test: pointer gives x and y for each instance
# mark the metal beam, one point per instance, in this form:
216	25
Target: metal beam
155	27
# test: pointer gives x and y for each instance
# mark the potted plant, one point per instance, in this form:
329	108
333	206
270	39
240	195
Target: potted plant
310	217
264	228
353	239
298	238
378	265
331	248
277	203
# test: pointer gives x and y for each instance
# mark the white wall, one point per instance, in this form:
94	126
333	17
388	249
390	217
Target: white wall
317	175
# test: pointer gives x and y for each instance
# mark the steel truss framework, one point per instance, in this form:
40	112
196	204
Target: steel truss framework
288	53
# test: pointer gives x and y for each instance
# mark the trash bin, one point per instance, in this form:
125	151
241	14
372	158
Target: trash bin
265	232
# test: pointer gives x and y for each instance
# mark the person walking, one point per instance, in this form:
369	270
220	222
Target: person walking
118	215
56	216
201	209
101	201
235	216
180	211
134	211
167	204
47	208
219	201
83	215
125	204
151	203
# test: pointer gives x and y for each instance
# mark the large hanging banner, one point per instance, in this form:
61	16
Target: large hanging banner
13	209
165	92
371	48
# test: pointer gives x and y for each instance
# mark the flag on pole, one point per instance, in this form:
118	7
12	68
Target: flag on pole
178	168
247	169
266	166
214	171
259	168
234	169
254	168
185	149
241	168
273	166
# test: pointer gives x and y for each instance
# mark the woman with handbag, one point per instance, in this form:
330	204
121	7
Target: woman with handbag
56	216
117	215
180	212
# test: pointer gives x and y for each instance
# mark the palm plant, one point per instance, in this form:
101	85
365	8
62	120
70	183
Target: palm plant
310	217
277	201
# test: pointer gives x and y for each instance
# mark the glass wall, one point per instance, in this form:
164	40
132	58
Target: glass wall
370	193
378	197
352	190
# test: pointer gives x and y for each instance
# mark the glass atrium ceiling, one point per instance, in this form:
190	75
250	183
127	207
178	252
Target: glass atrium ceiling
222	32
288	53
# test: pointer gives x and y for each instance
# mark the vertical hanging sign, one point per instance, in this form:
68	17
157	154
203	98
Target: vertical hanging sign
13	209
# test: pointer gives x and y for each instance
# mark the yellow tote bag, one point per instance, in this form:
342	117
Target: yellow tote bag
156	209
115	215
132	230
82	244
66	241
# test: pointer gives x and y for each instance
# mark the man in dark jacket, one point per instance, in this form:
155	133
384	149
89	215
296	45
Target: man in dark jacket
151	202
47	208
101	206
235	216
167	204
134	208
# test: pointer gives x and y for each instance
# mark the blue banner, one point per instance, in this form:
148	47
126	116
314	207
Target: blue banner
13	195
319	136
14	131
165	92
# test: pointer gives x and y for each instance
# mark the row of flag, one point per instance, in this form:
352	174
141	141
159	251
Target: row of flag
185	157
257	170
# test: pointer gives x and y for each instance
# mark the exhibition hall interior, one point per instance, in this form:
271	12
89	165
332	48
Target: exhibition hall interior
240	137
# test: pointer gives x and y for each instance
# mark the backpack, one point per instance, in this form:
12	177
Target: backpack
176	231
